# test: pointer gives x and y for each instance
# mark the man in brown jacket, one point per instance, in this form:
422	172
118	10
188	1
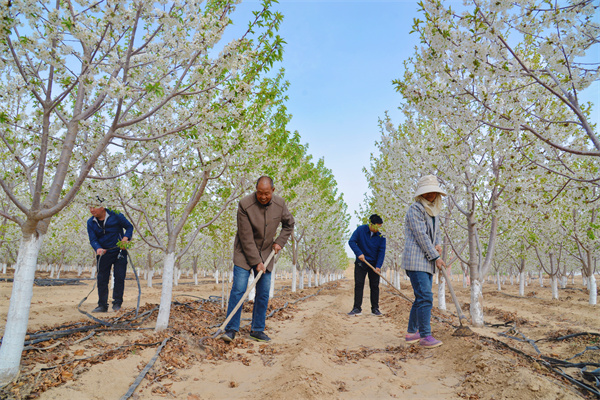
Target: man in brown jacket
258	217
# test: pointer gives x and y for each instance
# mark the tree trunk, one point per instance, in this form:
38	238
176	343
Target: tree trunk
18	310
593	290
149	280
554	288
498	281
476	303
521	283
252	294
164	311
294	278
442	294
272	288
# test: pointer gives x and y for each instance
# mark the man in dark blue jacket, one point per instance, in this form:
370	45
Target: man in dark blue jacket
369	245
105	229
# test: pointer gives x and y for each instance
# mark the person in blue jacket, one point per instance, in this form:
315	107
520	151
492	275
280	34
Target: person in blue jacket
105	229
368	244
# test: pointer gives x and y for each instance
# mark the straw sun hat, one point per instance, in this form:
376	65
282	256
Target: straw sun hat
429	184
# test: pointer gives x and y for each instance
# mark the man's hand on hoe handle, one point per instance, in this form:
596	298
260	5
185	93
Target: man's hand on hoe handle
262	267
362	258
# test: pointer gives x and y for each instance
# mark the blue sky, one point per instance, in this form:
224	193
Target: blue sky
340	59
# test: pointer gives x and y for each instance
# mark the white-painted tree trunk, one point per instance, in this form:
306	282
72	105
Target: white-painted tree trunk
464	280
272	288
4	268
18	309
176	276
541	277
149	279
164	311
593	290
302	278
563	282
476	303
112	281
521	284
294	278
195	278
252	294
217	276
310	274
554	288
442	294
498	281
223	293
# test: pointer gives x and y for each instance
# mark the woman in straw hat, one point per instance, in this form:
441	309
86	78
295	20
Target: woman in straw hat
421	256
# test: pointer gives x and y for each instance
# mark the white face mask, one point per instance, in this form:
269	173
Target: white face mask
433	208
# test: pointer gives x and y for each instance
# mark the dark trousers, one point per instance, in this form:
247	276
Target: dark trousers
118	259
361	270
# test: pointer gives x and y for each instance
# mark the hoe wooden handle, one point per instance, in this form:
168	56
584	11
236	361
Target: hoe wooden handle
388	282
239	304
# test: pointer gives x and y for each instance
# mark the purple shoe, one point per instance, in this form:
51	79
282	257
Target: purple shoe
430	342
412	337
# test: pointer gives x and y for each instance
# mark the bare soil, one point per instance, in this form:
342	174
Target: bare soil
316	352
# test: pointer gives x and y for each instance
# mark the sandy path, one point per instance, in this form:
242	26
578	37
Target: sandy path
304	364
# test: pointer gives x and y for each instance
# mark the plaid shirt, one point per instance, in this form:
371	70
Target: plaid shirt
421	237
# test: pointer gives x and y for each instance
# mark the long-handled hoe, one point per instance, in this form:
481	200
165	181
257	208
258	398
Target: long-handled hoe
462	330
388	282
239	304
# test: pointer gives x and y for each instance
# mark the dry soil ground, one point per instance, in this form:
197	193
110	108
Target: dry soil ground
317	351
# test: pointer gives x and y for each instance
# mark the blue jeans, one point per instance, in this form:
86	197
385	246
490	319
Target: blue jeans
420	313
261	301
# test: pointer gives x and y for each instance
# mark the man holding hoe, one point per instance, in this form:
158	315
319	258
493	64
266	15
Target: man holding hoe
258	217
109	232
369	246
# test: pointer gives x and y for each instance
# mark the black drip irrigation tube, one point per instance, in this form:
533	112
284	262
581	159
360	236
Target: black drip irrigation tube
549	363
142	374
555	365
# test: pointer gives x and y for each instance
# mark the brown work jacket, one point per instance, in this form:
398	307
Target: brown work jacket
257	226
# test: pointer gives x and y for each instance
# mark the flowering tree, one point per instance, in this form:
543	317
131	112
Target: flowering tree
525	64
78	77
490	97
